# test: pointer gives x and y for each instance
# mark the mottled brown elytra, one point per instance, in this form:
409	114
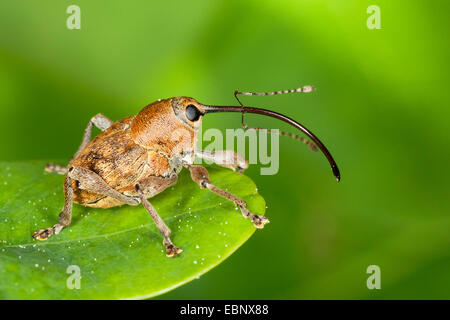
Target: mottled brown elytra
138	157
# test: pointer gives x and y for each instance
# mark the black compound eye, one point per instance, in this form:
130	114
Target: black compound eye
192	113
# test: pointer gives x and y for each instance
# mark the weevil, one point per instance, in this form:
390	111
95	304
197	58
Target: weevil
137	157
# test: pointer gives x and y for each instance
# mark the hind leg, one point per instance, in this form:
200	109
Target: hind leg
65	216
100	121
88	180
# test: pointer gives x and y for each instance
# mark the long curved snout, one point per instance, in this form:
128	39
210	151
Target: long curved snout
273	114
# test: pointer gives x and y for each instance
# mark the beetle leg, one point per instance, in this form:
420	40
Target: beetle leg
65	216
100	121
171	249
201	176
88	180
225	158
91	181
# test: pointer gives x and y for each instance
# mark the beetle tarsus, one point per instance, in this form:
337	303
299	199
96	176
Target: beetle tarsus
240	170
44	234
258	221
172	250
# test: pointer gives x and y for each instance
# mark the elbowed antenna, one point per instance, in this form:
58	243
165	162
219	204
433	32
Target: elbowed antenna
273	114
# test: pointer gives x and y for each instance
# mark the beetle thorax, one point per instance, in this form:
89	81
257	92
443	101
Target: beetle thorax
157	127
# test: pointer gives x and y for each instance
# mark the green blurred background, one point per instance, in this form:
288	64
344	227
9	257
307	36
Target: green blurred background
381	107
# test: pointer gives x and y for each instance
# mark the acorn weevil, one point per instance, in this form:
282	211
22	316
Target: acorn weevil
140	156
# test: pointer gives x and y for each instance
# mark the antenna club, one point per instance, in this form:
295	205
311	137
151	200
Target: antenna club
307	89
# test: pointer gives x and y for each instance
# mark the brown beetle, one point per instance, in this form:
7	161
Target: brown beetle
138	157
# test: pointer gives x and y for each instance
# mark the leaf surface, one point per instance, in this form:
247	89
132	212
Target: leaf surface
118	251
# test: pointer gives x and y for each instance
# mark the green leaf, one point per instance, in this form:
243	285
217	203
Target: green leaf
119	251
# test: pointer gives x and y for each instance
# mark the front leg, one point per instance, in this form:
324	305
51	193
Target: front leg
201	176
225	158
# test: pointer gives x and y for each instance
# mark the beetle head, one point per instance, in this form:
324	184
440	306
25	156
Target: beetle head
169	126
